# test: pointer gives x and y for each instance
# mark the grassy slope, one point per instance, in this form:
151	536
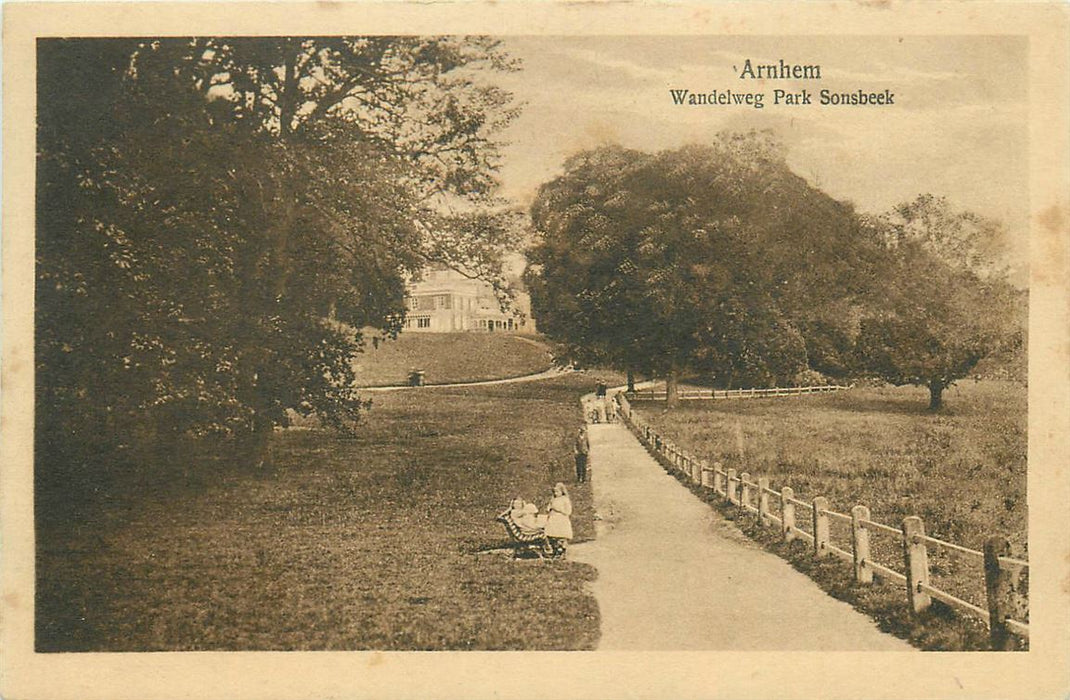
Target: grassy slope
963	470
374	542
450	357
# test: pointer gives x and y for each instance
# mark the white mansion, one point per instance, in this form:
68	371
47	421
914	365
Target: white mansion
444	301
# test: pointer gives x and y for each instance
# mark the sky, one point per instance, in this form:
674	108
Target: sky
958	128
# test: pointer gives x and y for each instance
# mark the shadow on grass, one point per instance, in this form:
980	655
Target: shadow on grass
899	406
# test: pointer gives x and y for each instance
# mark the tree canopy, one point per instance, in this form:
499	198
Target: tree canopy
713	258
220	219
945	303
718	260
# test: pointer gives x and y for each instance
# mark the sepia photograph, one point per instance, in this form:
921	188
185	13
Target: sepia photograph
452	339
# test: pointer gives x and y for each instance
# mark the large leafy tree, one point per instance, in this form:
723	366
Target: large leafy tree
218	220
945	302
963	240
708	258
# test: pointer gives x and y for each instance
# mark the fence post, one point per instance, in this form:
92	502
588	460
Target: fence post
707	478
999	585
860	544
696	470
917	563
731	487
763	501
787	513
717	479
744	491
821	527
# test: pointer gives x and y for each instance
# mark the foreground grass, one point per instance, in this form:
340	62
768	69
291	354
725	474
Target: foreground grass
450	357
384	541
963	471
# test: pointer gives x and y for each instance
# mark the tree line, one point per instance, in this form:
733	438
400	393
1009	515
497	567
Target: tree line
717	260
222	223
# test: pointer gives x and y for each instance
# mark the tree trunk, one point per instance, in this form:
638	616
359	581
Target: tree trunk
672	395
631	382
287	101
936	390
167	450
253	447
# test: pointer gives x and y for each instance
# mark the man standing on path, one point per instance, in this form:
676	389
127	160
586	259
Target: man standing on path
582	449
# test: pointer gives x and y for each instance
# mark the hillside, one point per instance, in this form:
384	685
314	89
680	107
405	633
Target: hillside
451	357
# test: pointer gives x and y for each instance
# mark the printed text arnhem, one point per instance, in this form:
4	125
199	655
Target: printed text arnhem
779	71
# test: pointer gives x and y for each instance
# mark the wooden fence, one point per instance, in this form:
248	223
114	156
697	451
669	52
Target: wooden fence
650	393
1004	582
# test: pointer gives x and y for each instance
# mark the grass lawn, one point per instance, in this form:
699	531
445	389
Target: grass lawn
451	357
963	470
384	541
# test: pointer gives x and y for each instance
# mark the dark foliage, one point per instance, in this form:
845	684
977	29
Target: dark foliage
945	305
218	218
715	259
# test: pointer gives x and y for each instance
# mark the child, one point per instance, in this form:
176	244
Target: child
559	522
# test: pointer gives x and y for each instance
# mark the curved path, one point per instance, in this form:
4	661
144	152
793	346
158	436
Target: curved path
674	575
545	374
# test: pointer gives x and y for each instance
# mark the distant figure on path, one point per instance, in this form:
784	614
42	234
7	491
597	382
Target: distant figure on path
582	449
610	409
600	403
559	522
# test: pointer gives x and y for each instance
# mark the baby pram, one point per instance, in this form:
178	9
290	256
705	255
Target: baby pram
526	539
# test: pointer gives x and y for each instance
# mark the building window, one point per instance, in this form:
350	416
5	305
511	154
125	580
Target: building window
423	322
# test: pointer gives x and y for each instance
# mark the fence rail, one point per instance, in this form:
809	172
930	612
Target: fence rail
881	526
954	547
1004	590
838	516
891	574
652	394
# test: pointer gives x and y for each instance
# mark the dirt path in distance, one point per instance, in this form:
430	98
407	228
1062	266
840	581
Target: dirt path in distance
537	376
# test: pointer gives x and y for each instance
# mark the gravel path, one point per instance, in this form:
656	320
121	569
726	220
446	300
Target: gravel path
545	374
674	575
